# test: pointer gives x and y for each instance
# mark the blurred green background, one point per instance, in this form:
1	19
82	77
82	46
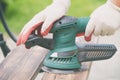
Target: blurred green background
19	12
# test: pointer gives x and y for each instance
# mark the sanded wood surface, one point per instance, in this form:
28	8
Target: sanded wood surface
82	75
22	63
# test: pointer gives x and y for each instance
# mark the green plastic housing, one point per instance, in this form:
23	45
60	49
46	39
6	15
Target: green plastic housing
64	34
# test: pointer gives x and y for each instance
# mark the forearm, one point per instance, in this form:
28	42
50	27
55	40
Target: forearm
116	2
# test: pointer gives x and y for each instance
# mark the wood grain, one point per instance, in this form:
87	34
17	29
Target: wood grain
22	63
82	75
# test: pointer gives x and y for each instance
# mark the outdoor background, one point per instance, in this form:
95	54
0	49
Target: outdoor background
19	12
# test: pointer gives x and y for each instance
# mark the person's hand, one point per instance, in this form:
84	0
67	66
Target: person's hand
44	20
105	20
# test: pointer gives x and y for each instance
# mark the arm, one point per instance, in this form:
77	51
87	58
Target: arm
105	20
44	20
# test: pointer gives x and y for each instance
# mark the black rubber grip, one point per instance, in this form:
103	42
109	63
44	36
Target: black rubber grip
92	52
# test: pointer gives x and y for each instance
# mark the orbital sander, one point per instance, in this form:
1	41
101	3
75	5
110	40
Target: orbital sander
65	56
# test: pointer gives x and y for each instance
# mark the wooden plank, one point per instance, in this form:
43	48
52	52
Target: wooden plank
22	63
82	75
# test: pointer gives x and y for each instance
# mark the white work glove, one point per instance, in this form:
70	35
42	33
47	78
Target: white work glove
105	20
44	20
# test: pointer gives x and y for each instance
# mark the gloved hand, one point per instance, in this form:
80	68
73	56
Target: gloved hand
43	20
105	20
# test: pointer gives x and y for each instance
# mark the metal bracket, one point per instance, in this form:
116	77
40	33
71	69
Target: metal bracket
3	46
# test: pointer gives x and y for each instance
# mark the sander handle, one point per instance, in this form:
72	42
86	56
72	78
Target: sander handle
93	52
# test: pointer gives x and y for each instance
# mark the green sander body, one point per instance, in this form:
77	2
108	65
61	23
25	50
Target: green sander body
65	56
